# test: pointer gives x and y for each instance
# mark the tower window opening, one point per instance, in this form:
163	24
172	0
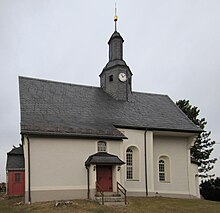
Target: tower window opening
111	78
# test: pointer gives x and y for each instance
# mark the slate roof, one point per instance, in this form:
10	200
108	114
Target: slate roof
103	158
15	159
54	108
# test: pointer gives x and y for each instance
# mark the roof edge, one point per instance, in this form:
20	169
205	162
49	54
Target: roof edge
158	129
116	65
176	130
71	135
56	82
15	169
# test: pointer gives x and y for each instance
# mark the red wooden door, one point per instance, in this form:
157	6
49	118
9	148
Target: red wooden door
104	177
16	183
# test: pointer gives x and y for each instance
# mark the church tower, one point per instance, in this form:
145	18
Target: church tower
116	77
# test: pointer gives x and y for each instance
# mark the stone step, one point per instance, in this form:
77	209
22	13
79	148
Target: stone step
108	194
113	200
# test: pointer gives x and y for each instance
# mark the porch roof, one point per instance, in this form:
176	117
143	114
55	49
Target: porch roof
103	158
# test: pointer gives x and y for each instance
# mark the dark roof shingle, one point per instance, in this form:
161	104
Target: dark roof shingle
15	159
49	107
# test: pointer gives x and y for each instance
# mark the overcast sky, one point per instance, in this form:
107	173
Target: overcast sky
171	46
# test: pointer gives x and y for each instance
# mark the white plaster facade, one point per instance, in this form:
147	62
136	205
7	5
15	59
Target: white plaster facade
57	166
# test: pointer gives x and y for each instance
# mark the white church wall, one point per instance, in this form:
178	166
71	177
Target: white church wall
176	149
194	181
61	161
135	186
58	167
113	147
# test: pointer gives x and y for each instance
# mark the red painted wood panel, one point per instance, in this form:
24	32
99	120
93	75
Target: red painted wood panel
104	177
16	183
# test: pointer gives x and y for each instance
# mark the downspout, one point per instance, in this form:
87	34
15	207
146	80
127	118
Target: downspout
88	182
145	160
29	172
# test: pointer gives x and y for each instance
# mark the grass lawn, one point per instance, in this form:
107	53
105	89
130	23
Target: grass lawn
135	205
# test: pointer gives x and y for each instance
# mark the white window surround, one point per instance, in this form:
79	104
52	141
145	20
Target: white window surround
164	169
132	163
129	163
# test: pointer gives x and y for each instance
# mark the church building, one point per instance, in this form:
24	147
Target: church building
80	140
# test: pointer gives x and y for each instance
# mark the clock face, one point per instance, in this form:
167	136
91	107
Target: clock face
122	77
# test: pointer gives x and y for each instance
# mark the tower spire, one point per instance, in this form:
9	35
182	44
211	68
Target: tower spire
116	77
115	17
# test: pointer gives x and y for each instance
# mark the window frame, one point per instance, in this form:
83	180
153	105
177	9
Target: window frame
164	169
129	164
101	146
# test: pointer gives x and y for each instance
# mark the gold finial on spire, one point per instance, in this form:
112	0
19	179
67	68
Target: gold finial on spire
115	17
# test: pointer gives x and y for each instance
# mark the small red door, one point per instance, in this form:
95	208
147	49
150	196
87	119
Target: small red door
16	183
104	177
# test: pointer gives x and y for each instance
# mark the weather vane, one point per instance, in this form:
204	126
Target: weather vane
115	17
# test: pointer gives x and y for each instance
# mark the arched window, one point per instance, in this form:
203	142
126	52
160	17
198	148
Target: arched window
129	162
161	170
132	163
101	146
164	169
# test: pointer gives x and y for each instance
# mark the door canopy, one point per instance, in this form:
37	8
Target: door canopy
103	158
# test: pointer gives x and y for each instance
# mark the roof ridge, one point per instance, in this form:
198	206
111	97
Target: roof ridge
57	82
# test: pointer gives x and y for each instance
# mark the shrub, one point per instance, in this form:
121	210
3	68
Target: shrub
210	189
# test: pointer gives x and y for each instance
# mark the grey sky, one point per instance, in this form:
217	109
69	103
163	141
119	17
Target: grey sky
172	47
